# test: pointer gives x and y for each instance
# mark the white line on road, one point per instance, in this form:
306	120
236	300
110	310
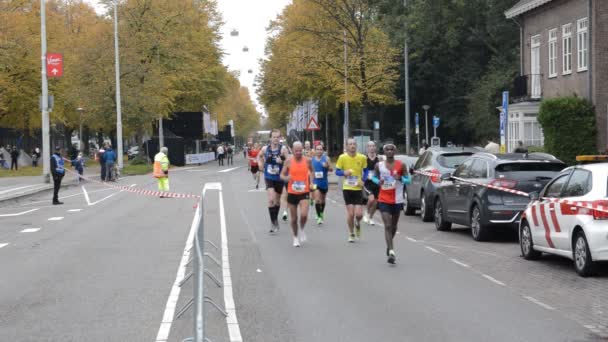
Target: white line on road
460	263
74	210
165	325
411	239
59	218
133	185
86	196
68	196
234	331
432	250
539	303
3	245
19	188
257	190
19	214
494	280
30	230
231	169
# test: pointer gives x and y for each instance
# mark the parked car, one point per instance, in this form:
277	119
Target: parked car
421	191
132	152
482	208
566	229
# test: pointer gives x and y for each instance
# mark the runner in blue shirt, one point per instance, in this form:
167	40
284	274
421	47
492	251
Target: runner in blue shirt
321	165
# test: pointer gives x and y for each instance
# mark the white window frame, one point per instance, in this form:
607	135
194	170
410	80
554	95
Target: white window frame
535	69
552	53
582	41
567	49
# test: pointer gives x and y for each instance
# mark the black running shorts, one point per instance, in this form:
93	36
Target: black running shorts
353	197
391	208
276	185
294	199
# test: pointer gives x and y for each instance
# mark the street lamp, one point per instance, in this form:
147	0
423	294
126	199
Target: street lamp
426	120
46	148
118	106
80	110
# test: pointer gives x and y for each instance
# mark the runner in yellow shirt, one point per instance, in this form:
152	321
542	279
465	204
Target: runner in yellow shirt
352	166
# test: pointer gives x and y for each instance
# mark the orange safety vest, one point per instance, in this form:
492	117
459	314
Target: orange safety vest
158	169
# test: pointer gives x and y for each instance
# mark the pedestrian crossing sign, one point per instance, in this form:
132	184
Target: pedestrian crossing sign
313	125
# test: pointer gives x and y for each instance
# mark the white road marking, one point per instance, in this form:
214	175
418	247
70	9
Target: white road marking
30	230
19	188
86	196
460	263
432	250
165	325
234	331
59	218
411	239
539	303
3	245
258	270
257	190
231	169
19	214
133	185
74	210
78	194
494	280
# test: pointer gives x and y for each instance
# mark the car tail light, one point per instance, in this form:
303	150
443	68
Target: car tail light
600	215
437	176
504	183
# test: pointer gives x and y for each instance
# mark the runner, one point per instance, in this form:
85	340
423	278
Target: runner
392	175
284	194
252	153
309	153
352	165
298	175
271	158
371	189
321	166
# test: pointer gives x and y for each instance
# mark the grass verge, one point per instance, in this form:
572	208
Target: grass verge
22	172
138	169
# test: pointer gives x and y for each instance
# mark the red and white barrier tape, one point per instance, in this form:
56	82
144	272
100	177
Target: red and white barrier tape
135	190
580	204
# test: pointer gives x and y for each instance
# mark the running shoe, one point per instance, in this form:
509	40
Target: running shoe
272	229
284	215
371	222
358	229
319	220
391	257
366	218
351	238
296	242
257	186
302	236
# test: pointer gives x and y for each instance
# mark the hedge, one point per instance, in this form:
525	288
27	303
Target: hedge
569	127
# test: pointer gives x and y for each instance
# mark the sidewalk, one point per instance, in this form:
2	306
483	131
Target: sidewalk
15	187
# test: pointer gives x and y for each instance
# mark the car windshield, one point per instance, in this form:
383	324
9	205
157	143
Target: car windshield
452	160
526	167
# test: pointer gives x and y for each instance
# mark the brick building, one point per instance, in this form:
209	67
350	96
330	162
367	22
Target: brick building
564	52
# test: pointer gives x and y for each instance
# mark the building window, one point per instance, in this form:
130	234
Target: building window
582	40
535	85
513	135
553	53
567	49
532	134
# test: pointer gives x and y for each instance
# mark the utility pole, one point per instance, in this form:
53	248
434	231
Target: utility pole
407	83
118	106
161	134
46	148
345	128
426	120
80	110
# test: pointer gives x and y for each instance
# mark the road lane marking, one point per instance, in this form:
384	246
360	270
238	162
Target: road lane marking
411	239
133	185
86	196
19	214
3	245
494	280
234	331
74	210
19	188
59	218
432	250
231	169
68	196
257	190
165	325
30	230
539	303
460	263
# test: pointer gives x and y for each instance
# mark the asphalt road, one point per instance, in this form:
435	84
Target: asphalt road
105	269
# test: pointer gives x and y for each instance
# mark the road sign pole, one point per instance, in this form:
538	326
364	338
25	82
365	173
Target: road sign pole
46	148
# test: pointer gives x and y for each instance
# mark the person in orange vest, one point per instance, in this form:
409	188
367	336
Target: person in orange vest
161	170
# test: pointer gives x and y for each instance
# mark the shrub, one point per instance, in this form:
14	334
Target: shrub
569	127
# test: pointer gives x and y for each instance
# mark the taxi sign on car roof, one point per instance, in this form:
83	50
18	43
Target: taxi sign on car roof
592	159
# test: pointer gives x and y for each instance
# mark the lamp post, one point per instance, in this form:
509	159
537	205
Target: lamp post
46	148
80	110
426	120
118	106
407	85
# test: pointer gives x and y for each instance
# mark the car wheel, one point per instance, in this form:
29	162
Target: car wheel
478	231
582	255
408	210
526	244
440	223
426	212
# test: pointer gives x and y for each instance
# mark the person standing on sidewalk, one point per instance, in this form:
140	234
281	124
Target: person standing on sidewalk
230	154
78	165
14	158
220	155
109	158
57	171
161	170
102	164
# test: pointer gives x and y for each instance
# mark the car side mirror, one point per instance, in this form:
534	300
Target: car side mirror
534	196
446	176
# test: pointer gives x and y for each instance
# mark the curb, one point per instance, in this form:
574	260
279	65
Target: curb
30	192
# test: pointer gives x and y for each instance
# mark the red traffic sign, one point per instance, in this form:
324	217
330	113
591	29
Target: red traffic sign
54	65
313	125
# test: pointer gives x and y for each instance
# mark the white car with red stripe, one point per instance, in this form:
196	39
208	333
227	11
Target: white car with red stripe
569	218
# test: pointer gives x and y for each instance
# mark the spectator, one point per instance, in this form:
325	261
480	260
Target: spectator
2	160
109	158
35	157
102	164
229	154
78	165
58	171
520	148
220	155
424	147
14	158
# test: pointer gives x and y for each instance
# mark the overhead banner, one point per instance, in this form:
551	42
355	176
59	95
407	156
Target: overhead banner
231	123
206	121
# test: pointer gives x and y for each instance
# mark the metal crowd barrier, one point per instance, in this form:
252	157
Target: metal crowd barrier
199	272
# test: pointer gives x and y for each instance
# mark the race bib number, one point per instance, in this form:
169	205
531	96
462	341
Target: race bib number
352	181
318	174
370	175
273	169
389	183
298	186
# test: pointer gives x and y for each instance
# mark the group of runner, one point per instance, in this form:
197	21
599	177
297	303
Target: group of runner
303	173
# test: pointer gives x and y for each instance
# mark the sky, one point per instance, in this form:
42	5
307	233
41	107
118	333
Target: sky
250	18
